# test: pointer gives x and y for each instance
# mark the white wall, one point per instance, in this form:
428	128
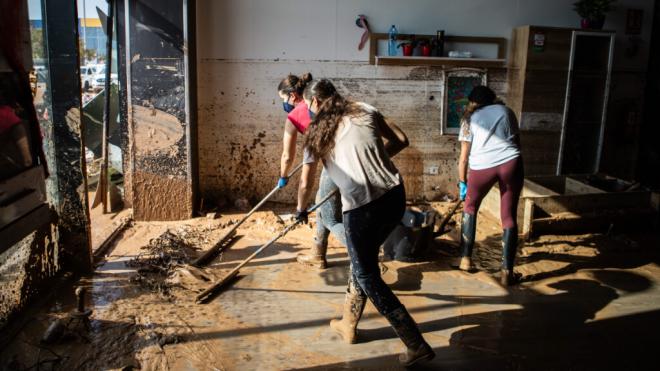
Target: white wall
324	30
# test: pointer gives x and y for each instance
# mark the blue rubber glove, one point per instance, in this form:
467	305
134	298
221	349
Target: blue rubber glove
282	182
462	190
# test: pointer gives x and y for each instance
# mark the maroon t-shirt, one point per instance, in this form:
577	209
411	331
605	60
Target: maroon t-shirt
299	117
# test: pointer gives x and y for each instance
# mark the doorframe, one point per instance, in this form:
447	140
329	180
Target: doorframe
567	97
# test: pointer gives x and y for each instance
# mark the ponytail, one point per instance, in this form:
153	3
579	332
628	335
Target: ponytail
294	84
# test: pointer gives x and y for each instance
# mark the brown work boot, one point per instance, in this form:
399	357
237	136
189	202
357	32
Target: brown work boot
466	264
347	325
316	256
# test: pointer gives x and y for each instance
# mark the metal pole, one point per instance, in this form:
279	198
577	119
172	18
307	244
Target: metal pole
84	30
213	251
209	293
106	109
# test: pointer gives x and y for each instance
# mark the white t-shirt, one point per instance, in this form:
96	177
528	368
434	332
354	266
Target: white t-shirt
491	130
358	164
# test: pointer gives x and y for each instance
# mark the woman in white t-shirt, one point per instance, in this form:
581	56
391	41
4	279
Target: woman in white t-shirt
355	144
490	144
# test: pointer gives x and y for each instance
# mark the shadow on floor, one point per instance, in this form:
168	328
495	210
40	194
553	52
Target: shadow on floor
557	331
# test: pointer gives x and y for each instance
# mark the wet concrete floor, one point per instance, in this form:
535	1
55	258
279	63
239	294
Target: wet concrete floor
588	302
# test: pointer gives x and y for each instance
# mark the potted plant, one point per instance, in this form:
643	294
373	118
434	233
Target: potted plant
408	46
593	12
425	47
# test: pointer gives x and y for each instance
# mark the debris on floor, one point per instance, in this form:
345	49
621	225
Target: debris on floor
162	258
578	290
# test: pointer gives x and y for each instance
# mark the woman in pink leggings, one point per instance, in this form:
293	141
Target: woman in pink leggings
490	144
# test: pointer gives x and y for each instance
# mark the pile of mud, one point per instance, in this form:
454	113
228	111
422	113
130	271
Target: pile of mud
162	256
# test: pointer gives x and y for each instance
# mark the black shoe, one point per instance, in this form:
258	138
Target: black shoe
405	327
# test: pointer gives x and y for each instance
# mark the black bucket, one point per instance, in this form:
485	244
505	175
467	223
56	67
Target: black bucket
411	240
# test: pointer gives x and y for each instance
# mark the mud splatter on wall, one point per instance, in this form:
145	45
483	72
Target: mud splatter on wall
241	123
63	242
161	186
24	268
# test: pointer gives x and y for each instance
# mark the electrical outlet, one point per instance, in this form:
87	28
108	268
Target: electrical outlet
432	170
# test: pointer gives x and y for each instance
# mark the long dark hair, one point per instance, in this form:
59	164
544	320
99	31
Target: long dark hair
294	84
320	136
480	96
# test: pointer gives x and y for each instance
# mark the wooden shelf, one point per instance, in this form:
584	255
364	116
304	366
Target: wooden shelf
499	62
440	61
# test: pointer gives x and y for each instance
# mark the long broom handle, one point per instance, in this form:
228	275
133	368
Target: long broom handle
202	260
202	297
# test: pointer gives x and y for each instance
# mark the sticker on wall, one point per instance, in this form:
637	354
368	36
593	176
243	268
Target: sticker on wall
538	42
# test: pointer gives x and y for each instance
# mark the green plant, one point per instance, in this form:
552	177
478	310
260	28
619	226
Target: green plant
423	41
413	41
593	9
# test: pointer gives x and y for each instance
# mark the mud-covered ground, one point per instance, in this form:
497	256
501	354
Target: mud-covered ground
586	302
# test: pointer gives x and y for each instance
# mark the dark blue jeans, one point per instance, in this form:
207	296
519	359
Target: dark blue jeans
367	227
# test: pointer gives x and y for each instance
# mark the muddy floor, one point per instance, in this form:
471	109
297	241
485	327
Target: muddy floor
586	302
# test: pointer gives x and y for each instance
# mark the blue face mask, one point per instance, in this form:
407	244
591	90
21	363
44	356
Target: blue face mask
288	107
312	115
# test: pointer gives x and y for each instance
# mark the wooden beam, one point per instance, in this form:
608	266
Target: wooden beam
20	228
440	61
583	203
575	186
528	219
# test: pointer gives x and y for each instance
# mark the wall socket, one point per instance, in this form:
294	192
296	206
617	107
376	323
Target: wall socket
432	170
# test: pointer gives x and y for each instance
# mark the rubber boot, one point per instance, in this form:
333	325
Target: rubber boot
418	349
353	307
316	256
468	231
509	246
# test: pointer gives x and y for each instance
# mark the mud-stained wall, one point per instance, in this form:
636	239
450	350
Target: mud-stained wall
25	268
160	180
241	123
63	242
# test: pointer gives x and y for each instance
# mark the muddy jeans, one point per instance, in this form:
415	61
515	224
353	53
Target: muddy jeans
367	227
328	216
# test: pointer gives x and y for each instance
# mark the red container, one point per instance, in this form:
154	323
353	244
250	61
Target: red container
585	24
426	50
407	50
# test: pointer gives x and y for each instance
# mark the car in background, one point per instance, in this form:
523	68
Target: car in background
87	74
98	81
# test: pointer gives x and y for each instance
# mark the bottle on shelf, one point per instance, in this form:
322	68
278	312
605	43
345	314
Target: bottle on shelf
440	43
391	43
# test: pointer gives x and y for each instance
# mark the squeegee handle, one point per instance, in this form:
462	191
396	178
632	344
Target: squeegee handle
284	231
212	252
263	201
206	295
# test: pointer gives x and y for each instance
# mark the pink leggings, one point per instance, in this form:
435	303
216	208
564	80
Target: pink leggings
510	176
